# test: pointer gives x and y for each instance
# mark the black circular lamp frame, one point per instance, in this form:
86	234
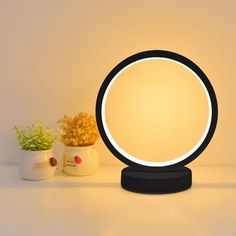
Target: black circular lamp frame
136	168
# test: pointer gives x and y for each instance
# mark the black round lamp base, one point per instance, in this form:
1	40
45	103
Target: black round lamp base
156	182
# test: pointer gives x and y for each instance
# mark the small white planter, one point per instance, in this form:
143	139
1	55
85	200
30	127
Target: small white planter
80	161
37	165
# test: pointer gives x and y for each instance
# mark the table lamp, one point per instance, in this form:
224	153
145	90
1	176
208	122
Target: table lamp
147	176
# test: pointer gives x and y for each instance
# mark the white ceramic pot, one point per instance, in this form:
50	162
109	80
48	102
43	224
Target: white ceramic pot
80	161
37	165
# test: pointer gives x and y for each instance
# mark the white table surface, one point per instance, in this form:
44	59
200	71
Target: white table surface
97	205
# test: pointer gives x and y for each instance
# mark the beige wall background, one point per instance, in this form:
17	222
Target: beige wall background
55	54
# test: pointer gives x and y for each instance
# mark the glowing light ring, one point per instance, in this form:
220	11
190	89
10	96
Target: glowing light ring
148	165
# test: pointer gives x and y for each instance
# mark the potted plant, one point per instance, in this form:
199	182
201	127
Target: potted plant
37	161
79	134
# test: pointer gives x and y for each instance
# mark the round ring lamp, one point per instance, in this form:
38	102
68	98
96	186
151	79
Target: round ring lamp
148	176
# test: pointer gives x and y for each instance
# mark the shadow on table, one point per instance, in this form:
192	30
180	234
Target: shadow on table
79	183
215	185
51	184
61	180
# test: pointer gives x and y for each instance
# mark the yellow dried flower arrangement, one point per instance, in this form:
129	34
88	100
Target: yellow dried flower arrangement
79	130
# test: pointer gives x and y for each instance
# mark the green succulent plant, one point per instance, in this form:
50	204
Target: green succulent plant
35	137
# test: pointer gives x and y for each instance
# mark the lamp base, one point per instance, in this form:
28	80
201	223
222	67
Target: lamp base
156	182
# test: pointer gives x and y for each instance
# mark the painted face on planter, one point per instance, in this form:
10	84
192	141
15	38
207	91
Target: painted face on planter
156	110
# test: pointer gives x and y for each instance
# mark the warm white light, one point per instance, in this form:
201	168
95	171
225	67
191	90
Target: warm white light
149	163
